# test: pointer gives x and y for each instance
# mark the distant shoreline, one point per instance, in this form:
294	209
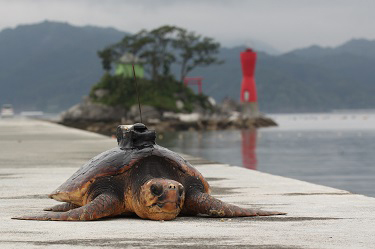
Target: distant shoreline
109	127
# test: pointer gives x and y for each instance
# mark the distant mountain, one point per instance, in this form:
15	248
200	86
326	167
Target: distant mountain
304	80
261	47
50	65
358	47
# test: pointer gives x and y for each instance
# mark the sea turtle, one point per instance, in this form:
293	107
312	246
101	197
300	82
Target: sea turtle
137	177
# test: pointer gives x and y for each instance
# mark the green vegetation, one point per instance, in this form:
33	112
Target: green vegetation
162	47
49	66
162	94
156	51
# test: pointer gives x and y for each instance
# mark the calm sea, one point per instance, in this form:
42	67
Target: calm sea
332	149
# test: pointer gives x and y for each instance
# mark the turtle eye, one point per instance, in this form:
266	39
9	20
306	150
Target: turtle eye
156	189
180	190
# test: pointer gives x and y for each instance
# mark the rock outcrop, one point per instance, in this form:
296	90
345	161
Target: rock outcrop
88	110
104	119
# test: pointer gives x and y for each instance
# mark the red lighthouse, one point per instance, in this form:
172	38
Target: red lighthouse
248	88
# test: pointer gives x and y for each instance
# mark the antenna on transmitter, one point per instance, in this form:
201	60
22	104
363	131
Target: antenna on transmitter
136	86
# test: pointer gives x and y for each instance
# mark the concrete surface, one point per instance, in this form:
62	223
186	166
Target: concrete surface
36	157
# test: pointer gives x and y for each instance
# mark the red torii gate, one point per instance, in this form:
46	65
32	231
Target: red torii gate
194	81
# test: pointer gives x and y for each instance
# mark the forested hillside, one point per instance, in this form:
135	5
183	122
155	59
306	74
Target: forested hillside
49	66
310	79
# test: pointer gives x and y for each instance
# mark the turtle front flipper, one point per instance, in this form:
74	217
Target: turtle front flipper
103	205
61	207
197	202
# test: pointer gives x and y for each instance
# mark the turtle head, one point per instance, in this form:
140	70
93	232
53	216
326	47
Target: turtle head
160	199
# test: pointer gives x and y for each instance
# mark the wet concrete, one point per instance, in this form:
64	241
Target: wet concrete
36	157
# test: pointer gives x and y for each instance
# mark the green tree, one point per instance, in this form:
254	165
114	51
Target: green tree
195	50
158	51
107	58
161	47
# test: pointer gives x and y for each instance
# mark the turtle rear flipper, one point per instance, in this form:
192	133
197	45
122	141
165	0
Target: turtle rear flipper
203	203
61	207
103	205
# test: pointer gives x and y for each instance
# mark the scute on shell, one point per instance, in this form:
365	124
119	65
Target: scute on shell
113	162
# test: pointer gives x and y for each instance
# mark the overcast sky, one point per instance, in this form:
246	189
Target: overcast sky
284	24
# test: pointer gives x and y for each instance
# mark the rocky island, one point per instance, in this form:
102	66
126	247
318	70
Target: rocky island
141	69
104	119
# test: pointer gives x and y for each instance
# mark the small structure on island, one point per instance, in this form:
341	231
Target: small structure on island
194	81
249	98
124	66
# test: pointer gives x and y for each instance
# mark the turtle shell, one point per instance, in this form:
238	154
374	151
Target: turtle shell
119	161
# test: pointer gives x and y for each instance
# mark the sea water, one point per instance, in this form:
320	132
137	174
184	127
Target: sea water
332	149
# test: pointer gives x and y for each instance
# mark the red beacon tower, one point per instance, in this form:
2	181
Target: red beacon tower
249	97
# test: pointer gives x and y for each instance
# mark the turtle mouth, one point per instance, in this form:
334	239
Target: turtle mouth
165	207
163	204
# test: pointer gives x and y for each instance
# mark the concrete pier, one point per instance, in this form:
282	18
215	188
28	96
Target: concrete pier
36	157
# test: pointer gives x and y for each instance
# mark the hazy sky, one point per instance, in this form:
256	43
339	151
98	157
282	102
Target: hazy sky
284	24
